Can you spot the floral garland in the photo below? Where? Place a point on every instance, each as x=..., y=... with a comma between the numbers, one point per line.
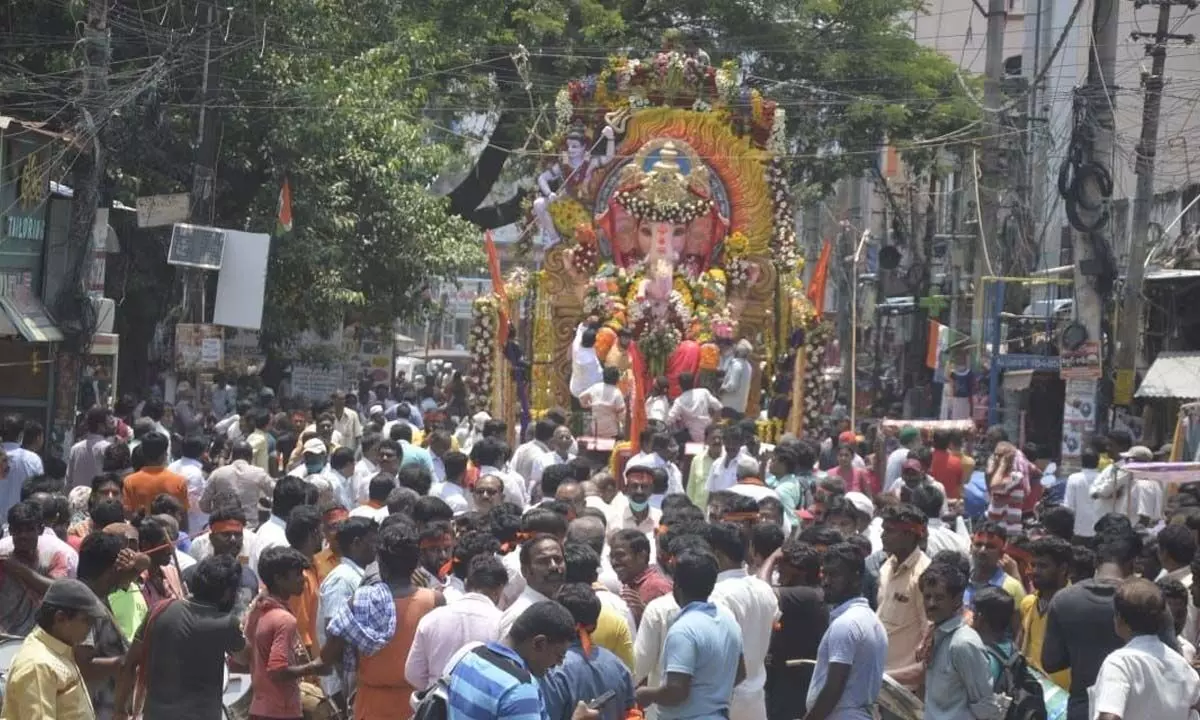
x=584, y=257
x=740, y=270
x=674, y=212
x=783, y=240
x=516, y=285
x=482, y=341
x=816, y=385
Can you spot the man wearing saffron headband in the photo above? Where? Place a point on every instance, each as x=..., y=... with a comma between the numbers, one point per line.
x=437, y=546
x=227, y=534
x=588, y=670
x=901, y=607
x=987, y=550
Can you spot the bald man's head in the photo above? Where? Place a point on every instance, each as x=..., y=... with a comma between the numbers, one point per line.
x=587, y=530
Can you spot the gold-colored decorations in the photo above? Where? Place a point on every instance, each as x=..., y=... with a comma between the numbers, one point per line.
x=34, y=185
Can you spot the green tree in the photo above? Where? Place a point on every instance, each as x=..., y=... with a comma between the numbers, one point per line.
x=847, y=71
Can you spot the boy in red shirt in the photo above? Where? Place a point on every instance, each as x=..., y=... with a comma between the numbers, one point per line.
x=273, y=638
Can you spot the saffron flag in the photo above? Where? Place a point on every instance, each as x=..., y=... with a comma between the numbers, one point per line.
x=493, y=258
x=284, y=221
x=816, y=286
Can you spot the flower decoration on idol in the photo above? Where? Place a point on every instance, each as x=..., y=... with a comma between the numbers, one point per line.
x=584, y=257
x=665, y=193
x=710, y=356
x=481, y=343
x=516, y=285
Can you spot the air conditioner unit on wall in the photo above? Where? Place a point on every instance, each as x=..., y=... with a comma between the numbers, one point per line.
x=106, y=313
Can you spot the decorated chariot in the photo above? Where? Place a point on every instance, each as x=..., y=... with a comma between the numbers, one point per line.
x=664, y=216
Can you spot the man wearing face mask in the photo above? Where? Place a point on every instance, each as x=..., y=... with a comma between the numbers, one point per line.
x=187, y=684
x=316, y=458
x=638, y=515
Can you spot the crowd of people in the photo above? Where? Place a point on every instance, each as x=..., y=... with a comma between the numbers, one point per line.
x=375, y=561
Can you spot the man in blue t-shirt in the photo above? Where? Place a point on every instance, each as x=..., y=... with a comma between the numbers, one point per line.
x=698, y=648
x=498, y=680
x=850, y=659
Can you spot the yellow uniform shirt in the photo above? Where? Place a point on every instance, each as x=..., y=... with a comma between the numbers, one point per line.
x=44, y=682
x=1033, y=633
x=612, y=634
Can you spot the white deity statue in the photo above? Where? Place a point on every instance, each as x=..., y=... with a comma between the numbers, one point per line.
x=573, y=170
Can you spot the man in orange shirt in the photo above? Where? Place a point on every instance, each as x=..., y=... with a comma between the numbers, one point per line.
x=304, y=534
x=946, y=467
x=154, y=478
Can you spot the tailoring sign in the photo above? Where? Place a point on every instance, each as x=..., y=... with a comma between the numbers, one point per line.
x=1082, y=363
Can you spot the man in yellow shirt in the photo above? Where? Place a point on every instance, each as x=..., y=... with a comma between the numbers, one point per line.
x=1051, y=567
x=44, y=683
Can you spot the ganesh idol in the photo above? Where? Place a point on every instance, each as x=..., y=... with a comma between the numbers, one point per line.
x=662, y=216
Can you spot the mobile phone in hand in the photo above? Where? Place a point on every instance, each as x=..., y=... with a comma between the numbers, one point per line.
x=599, y=702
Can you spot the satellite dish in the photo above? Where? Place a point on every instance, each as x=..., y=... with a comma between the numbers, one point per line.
x=889, y=258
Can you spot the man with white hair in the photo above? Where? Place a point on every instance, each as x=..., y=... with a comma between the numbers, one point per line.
x=735, y=387
x=749, y=480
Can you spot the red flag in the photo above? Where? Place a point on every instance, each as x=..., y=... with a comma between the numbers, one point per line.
x=493, y=258
x=816, y=286
x=284, y=219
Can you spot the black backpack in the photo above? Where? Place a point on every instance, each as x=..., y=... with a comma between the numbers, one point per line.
x=434, y=703
x=1018, y=682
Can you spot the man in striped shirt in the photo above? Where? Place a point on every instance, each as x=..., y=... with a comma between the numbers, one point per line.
x=498, y=680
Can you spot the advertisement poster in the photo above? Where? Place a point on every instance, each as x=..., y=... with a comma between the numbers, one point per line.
x=1079, y=419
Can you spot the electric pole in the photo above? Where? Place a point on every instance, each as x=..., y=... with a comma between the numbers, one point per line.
x=203, y=195
x=991, y=175
x=71, y=305
x=1127, y=350
x=1086, y=199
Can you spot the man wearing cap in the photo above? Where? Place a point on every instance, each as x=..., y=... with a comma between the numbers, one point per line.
x=314, y=459
x=1110, y=487
x=44, y=683
x=1147, y=507
x=910, y=439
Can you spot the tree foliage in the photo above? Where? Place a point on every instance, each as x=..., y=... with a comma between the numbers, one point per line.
x=364, y=103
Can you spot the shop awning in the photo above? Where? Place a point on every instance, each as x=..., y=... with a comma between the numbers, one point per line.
x=29, y=319
x=1173, y=375
x=1015, y=380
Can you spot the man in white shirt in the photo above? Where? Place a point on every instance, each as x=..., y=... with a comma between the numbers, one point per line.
x=607, y=403
x=585, y=366
x=527, y=453
x=755, y=606
x=22, y=464
x=910, y=440
x=543, y=567
x=240, y=479
x=473, y=618
x=346, y=422
x=192, y=470
x=367, y=466
x=663, y=450
x=340, y=476
x=314, y=459
x=490, y=456
x=750, y=482
x=1078, y=496
x=694, y=409
x=86, y=458
x=290, y=493
x=735, y=388
x=558, y=454
x=723, y=473
x=451, y=489
x=1145, y=678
